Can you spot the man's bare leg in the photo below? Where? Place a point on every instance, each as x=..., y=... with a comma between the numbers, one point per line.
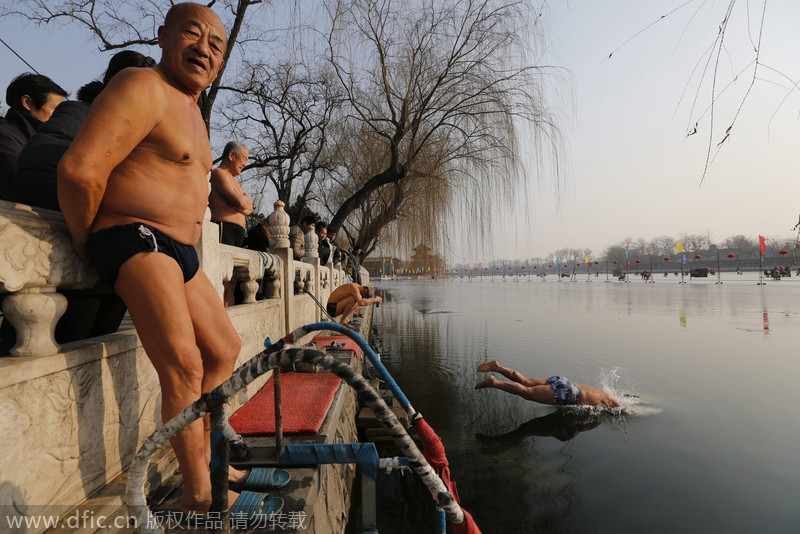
x=511, y=374
x=541, y=394
x=174, y=322
x=344, y=308
x=151, y=285
x=219, y=345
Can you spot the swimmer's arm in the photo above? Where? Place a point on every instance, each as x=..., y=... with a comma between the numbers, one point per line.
x=229, y=190
x=121, y=117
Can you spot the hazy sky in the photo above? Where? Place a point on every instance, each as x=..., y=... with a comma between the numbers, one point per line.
x=632, y=172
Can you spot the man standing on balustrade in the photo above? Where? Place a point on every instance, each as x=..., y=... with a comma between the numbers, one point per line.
x=133, y=188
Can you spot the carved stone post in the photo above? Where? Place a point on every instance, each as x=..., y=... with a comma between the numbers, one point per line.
x=278, y=222
x=310, y=244
x=36, y=257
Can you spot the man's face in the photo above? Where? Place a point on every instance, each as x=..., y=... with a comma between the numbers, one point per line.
x=240, y=162
x=322, y=232
x=44, y=113
x=192, y=47
x=331, y=236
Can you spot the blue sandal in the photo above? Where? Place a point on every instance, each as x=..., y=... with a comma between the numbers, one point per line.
x=262, y=479
x=250, y=504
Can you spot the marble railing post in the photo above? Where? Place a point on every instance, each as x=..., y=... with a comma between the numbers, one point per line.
x=310, y=243
x=36, y=258
x=279, y=247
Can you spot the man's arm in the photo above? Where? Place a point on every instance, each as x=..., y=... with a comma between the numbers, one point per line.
x=125, y=113
x=233, y=195
x=361, y=301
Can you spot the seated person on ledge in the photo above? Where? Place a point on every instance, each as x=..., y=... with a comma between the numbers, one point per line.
x=554, y=390
x=345, y=298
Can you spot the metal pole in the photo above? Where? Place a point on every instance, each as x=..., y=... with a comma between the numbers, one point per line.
x=683, y=258
x=276, y=382
x=219, y=463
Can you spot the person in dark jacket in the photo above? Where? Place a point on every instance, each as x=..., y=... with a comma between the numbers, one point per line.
x=32, y=99
x=35, y=177
x=90, y=312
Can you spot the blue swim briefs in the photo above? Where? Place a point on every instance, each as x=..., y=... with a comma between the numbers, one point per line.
x=565, y=393
x=111, y=247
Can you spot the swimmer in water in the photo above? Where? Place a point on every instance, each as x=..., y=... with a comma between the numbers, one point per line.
x=554, y=390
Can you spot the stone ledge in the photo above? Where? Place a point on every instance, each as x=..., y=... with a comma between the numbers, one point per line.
x=18, y=369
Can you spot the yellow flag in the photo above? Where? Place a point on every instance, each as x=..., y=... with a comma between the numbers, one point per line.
x=679, y=248
x=586, y=258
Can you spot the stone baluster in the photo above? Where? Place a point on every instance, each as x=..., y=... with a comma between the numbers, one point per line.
x=309, y=283
x=323, y=279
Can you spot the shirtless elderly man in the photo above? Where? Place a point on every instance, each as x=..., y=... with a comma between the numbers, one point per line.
x=133, y=190
x=229, y=203
x=554, y=390
x=347, y=297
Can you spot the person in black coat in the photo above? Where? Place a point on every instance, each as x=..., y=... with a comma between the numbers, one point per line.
x=35, y=177
x=91, y=312
x=32, y=99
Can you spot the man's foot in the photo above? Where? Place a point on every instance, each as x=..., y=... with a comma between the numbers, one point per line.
x=487, y=367
x=486, y=382
x=237, y=476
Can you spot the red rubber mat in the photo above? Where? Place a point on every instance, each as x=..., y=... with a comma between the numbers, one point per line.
x=306, y=398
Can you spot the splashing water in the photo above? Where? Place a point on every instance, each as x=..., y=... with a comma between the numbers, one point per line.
x=630, y=402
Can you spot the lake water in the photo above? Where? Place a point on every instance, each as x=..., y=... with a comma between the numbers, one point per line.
x=712, y=444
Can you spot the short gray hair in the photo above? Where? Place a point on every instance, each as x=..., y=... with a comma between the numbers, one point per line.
x=235, y=146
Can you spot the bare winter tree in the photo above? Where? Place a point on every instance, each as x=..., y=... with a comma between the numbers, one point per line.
x=694, y=242
x=445, y=84
x=282, y=112
x=436, y=95
x=666, y=245
x=400, y=215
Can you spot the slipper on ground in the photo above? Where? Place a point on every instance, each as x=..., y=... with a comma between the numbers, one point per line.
x=263, y=479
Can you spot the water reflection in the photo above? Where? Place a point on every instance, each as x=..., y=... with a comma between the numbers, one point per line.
x=562, y=424
x=694, y=450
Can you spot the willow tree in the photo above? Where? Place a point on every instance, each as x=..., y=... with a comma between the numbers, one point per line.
x=397, y=216
x=441, y=89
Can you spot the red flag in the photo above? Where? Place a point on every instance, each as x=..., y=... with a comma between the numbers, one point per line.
x=762, y=245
